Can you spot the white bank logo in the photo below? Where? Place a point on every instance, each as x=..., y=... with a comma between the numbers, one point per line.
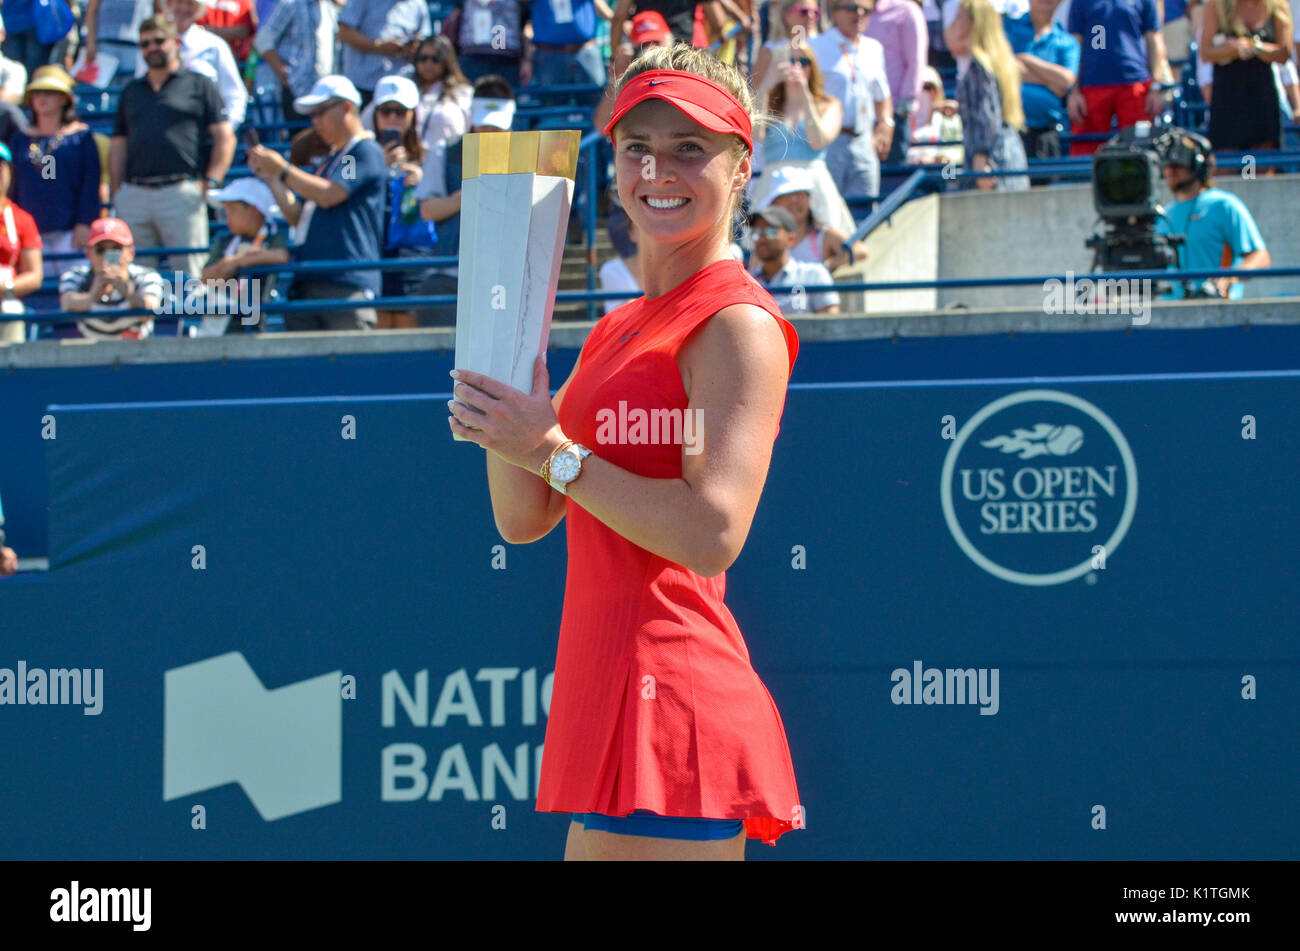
x=1034, y=483
x=284, y=747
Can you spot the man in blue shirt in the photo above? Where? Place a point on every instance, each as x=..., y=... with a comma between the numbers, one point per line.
x=1219, y=230
x=1049, y=65
x=338, y=212
x=564, y=45
x=378, y=38
x=1122, y=49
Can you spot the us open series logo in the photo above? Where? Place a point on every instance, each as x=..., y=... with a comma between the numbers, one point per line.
x=1037, y=486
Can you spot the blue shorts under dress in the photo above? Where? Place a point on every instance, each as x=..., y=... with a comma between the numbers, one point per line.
x=644, y=822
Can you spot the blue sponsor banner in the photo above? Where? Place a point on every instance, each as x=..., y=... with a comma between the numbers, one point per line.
x=1049, y=618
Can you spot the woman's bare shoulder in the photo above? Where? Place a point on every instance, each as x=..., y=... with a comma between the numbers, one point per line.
x=738, y=337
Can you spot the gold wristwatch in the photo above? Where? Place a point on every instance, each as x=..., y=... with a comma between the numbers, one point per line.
x=564, y=465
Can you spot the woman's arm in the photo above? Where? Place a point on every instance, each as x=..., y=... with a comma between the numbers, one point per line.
x=30, y=271
x=525, y=508
x=827, y=118
x=1220, y=53
x=761, y=64
x=1280, y=51
x=736, y=370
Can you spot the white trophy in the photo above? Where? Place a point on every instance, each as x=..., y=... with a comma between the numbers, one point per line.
x=514, y=212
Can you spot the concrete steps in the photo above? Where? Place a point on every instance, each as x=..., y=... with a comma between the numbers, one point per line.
x=573, y=270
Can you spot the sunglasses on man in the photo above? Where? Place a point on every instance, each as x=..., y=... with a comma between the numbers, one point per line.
x=770, y=232
x=858, y=9
x=152, y=42
x=321, y=110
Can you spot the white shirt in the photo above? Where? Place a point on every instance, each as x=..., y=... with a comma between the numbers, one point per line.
x=13, y=76
x=209, y=54
x=615, y=276
x=854, y=74
x=326, y=37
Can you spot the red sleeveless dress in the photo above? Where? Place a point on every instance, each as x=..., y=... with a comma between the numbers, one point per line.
x=703, y=738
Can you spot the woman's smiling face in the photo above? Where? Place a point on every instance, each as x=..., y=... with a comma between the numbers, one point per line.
x=675, y=177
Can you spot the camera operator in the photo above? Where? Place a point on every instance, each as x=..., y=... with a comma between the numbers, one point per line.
x=1219, y=230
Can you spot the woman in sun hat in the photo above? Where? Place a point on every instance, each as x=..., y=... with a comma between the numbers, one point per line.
x=57, y=167
x=662, y=742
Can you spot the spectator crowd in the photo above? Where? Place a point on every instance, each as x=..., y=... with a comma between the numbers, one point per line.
x=853, y=91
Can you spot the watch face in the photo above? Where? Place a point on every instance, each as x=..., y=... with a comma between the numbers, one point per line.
x=565, y=466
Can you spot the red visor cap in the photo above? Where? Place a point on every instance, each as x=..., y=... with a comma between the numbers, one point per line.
x=697, y=98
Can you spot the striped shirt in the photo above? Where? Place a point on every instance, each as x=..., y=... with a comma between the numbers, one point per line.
x=292, y=30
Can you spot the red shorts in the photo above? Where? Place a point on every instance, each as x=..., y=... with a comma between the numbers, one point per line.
x=1128, y=101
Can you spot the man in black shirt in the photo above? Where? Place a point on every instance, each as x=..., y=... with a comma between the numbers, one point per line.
x=158, y=183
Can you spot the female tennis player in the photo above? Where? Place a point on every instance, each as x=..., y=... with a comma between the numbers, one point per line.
x=662, y=741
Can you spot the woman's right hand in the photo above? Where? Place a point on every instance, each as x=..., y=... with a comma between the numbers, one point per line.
x=395, y=154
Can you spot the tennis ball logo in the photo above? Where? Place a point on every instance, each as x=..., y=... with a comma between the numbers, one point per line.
x=1063, y=440
x=1039, y=440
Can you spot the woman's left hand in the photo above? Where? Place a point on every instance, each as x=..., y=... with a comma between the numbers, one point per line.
x=498, y=417
x=413, y=174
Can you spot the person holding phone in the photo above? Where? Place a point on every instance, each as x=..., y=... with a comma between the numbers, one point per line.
x=406, y=234
x=337, y=211
x=112, y=281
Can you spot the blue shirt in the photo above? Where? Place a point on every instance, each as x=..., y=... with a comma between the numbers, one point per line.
x=352, y=229
x=56, y=202
x=19, y=16
x=1211, y=220
x=1043, y=108
x=1124, y=24
x=400, y=20
x=579, y=28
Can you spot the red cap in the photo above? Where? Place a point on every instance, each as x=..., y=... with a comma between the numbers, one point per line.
x=699, y=99
x=648, y=26
x=110, y=229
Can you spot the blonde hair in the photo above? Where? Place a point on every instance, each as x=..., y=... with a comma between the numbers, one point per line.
x=1230, y=18
x=688, y=59
x=816, y=86
x=989, y=47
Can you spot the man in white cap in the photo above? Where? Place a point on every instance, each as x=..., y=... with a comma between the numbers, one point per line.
x=208, y=54
x=338, y=210
x=493, y=110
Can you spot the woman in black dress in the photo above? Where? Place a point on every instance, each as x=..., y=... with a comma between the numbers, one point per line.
x=1243, y=39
